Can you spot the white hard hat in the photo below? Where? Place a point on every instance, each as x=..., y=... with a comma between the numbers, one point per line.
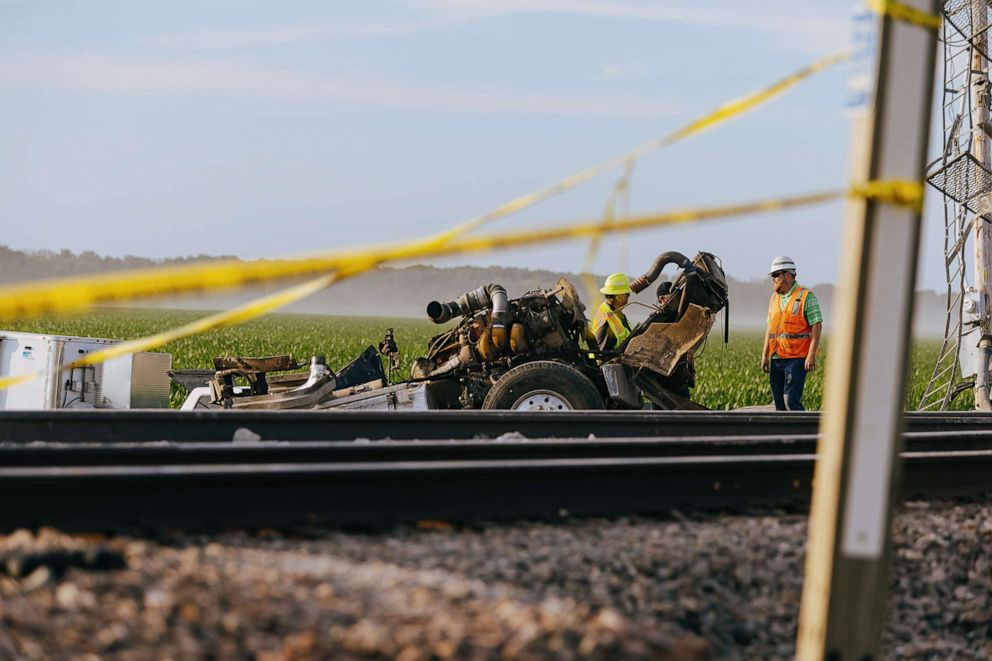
x=782, y=263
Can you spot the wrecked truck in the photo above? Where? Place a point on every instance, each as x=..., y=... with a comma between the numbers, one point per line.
x=531, y=353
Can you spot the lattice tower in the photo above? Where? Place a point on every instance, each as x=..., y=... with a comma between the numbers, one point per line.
x=965, y=183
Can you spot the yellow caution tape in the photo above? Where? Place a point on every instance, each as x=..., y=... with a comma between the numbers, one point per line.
x=721, y=114
x=9, y=381
x=755, y=99
x=75, y=293
x=902, y=193
x=232, y=317
x=238, y=315
x=361, y=260
x=628, y=224
x=902, y=12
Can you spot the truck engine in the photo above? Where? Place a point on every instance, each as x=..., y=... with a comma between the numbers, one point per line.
x=496, y=333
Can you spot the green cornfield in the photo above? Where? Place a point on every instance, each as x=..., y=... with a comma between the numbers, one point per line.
x=729, y=376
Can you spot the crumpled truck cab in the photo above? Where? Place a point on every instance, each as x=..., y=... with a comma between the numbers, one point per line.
x=529, y=353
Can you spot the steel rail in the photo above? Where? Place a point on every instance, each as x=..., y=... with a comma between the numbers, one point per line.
x=282, y=452
x=373, y=493
x=204, y=426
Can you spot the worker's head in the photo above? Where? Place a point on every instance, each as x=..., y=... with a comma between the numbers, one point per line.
x=664, y=292
x=783, y=273
x=617, y=290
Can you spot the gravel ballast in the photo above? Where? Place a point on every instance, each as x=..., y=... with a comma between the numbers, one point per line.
x=716, y=587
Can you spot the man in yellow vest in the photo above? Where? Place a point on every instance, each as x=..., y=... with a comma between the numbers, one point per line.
x=793, y=337
x=610, y=326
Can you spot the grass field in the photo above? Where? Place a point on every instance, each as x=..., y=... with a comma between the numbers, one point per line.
x=729, y=375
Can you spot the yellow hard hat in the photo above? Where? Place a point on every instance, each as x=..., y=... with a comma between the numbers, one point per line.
x=616, y=284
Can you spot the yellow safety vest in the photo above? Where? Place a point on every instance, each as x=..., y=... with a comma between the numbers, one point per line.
x=614, y=319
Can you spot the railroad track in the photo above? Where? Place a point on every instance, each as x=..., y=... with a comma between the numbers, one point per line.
x=157, y=453
x=70, y=426
x=210, y=485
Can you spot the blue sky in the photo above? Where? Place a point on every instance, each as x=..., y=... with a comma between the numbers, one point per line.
x=264, y=128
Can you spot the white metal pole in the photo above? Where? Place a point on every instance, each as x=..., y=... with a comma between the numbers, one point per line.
x=842, y=610
x=983, y=238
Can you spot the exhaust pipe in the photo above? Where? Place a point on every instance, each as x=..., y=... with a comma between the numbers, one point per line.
x=491, y=295
x=660, y=262
x=439, y=312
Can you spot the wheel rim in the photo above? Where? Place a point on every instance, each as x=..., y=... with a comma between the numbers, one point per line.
x=541, y=400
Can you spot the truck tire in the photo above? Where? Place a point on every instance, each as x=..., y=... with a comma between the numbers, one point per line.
x=543, y=385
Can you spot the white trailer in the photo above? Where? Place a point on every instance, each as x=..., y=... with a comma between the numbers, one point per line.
x=139, y=380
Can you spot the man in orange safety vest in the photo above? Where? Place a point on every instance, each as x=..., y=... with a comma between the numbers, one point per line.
x=793, y=337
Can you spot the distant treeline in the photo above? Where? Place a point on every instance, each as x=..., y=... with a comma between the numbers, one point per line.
x=17, y=265
x=405, y=292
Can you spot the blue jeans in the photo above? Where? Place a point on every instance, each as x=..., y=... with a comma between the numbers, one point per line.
x=788, y=377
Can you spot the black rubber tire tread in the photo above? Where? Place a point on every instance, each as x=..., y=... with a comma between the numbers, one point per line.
x=567, y=381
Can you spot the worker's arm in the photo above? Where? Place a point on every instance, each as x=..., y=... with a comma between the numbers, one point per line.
x=814, y=346
x=765, y=357
x=605, y=338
